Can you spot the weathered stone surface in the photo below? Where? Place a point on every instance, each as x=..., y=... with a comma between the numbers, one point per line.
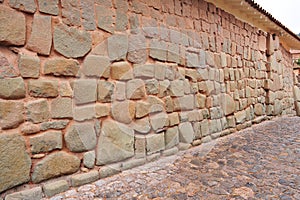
x=12, y=88
x=140, y=146
x=81, y=179
x=53, y=188
x=12, y=26
x=259, y=109
x=144, y=71
x=137, y=49
x=123, y=111
x=171, y=137
x=37, y=111
x=88, y=15
x=23, y=5
x=240, y=117
x=11, y=114
x=121, y=71
x=177, y=88
x=186, y=132
x=104, y=17
x=200, y=100
x=61, y=107
x=152, y=86
x=40, y=39
x=158, y=50
x=155, y=143
x=71, y=42
x=142, y=109
x=65, y=89
x=184, y=103
x=109, y=170
x=70, y=12
x=84, y=113
x=135, y=89
x=105, y=91
x=85, y=91
x=89, y=159
x=117, y=46
x=102, y=110
x=6, y=69
x=46, y=142
x=29, y=128
x=56, y=125
x=121, y=21
x=98, y=66
x=30, y=194
x=48, y=6
x=81, y=137
x=142, y=125
x=116, y=143
x=158, y=121
x=227, y=104
x=29, y=66
x=61, y=67
x=15, y=162
x=43, y=88
x=56, y=164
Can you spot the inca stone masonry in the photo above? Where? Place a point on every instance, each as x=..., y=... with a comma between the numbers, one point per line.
x=89, y=88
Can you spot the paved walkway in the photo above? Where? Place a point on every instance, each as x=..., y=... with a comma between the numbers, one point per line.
x=262, y=162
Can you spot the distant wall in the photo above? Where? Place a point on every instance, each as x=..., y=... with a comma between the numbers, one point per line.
x=108, y=85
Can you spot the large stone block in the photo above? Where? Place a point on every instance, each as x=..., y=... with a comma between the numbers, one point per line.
x=81, y=137
x=43, y=88
x=116, y=143
x=12, y=88
x=158, y=50
x=123, y=111
x=35, y=193
x=89, y=159
x=117, y=47
x=88, y=15
x=7, y=70
x=85, y=91
x=105, y=91
x=15, y=162
x=102, y=110
x=46, y=142
x=29, y=66
x=40, y=39
x=71, y=42
x=11, y=114
x=159, y=121
x=62, y=107
x=135, y=89
x=155, y=143
x=142, y=126
x=83, y=113
x=240, y=117
x=97, y=66
x=70, y=12
x=144, y=71
x=37, y=111
x=26, y=6
x=137, y=49
x=104, y=17
x=121, y=21
x=56, y=164
x=184, y=103
x=48, y=6
x=177, y=88
x=56, y=125
x=121, y=71
x=227, y=104
x=61, y=67
x=171, y=137
x=186, y=132
x=53, y=188
x=12, y=26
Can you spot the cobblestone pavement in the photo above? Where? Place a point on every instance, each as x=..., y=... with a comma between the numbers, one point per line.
x=262, y=162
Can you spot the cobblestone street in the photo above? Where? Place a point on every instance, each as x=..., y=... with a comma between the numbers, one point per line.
x=261, y=162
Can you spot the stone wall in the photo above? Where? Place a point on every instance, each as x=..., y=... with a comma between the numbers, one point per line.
x=106, y=85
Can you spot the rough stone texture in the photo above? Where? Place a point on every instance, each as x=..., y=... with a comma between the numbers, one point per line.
x=121, y=71
x=240, y=117
x=116, y=143
x=61, y=67
x=37, y=111
x=104, y=18
x=56, y=125
x=40, y=39
x=142, y=126
x=12, y=26
x=144, y=71
x=110, y=170
x=88, y=15
x=105, y=91
x=65, y=89
x=43, y=88
x=227, y=104
x=89, y=159
x=81, y=179
x=85, y=91
x=30, y=194
x=171, y=137
x=140, y=146
x=137, y=49
x=176, y=88
x=101, y=110
x=29, y=128
x=97, y=66
x=158, y=121
x=12, y=88
x=53, y=188
x=186, y=132
x=155, y=143
x=84, y=113
x=142, y=109
x=23, y=5
x=48, y=6
x=81, y=137
x=123, y=111
x=29, y=66
x=61, y=108
x=135, y=89
x=56, y=164
x=6, y=69
x=11, y=114
x=15, y=162
x=184, y=103
x=70, y=12
x=71, y=42
x=117, y=47
x=46, y=142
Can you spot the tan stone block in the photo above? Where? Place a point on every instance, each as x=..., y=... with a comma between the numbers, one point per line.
x=121, y=71
x=123, y=111
x=29, y=66
x=173, y=119
x=61, y=67
x=102, y=110
x=135, y=89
